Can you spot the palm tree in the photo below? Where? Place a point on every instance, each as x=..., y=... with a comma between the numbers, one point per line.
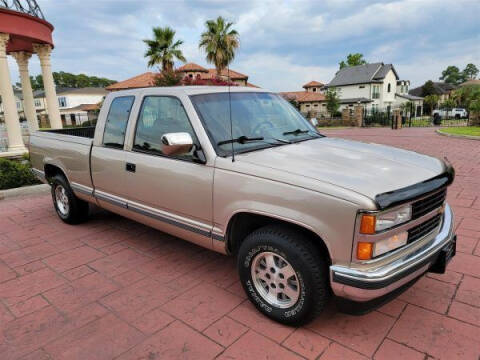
x=219, y=42
x=162, y=49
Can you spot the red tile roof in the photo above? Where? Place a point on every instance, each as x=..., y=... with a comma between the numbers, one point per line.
x=191, y=67
x=303, y=96
x=234, y=75
x=292, y=94
x=143, y=80
x=312, y=84
x=83, y=107
x=209, y=73
x=311, y=96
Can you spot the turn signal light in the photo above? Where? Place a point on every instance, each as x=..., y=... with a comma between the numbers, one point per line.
x=364, y=250
x=367, y=226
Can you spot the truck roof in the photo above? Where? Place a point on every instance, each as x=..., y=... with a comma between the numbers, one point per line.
x=189, y=90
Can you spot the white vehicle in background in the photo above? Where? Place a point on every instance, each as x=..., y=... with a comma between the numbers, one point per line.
x=457, y=113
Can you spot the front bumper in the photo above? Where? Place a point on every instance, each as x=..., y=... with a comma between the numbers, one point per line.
x=376, y=282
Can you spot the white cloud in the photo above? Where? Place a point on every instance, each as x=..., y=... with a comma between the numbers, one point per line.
x=283, y=43
x=281, y=73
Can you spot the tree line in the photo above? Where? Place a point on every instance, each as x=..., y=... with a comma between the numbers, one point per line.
x=453, y=75
x=68, y=80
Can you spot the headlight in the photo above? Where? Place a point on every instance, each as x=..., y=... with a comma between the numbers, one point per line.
x=369, y=250
x=393, y=242
x=373, y=223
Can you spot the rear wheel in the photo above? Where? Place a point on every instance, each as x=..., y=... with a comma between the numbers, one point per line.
x=69, y=208
x=283, y=274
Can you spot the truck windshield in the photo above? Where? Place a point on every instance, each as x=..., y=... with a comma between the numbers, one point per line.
x=255, y=116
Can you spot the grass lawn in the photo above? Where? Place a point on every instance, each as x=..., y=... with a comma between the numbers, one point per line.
x=467, y=130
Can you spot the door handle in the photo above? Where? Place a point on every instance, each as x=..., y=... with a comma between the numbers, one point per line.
x=131, y=167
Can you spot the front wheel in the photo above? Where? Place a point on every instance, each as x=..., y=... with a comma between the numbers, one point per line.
x=283, y=274
x=69, y=208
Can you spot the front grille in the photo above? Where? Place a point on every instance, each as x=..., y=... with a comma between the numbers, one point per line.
x=423, y=229
x=429, y=203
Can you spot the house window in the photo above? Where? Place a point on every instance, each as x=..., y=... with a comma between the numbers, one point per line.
x=38, y=103
x=314, y=89
x=361, y=87
x=19, y=105
x=62, y=101
x=406, y=88
x=389, y=87
x=308, y=105
x=376, y=92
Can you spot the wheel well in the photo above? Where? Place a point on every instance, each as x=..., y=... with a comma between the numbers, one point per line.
x=52, y=170
x=243, y=224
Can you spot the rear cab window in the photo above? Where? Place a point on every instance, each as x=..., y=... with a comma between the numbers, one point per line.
x=117, y=120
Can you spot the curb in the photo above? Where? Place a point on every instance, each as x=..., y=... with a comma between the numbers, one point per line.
x=458, y=136
x=25, y=190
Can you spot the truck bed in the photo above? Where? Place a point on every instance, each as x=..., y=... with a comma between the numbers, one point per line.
x=68, y=149
x=86, y=132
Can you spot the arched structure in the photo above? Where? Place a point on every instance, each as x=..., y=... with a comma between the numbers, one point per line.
x=24, y=31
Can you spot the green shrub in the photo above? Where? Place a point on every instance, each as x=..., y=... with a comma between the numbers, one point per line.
x=15, y=174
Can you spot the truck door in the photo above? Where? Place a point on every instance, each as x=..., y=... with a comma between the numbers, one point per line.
x=108, y=156
x=171, y=193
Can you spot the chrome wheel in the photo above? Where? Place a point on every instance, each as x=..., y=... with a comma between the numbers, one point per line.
x=61, y=200
x=275, y=280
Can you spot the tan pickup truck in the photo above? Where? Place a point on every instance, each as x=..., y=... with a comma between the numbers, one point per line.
x=244, y=174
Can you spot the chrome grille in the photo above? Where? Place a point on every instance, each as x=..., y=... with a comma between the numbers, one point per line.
x=424, y=228
x=429, y=203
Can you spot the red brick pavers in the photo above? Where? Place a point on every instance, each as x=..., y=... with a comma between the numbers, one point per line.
x=115, y=289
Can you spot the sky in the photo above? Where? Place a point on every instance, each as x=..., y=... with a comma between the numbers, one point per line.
x=283, y=44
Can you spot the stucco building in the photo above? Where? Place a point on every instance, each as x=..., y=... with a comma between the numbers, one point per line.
x=191, y=71
x=76, y=105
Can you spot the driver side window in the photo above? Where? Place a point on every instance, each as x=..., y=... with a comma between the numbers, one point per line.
x=160, y=115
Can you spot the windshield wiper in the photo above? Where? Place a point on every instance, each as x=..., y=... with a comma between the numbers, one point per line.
x=296, y=132
x=241, y=140
x=244, y=140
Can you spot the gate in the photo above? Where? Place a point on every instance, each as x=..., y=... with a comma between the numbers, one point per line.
x=375, y=118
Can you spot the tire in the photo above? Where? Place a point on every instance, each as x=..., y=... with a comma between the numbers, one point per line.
x=286, y=247
x=69, y=208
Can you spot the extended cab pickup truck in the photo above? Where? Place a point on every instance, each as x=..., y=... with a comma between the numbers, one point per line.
x=241, y=172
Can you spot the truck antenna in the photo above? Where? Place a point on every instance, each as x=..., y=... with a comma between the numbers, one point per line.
x=230, y=112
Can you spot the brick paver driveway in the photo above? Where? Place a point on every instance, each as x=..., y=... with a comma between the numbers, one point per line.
x=113, y=288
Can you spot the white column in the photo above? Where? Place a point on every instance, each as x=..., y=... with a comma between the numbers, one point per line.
x=43, y=52
x=14, y=132
x=22, y=58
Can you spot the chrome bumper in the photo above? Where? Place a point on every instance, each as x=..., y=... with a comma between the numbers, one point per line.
x=368, y=284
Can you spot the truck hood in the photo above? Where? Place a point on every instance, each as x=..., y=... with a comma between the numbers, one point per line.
x=365, y=168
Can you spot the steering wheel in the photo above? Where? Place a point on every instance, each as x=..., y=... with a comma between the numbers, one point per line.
x=264, y=124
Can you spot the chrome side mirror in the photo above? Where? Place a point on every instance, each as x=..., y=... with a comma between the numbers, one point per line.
x=177, y=143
